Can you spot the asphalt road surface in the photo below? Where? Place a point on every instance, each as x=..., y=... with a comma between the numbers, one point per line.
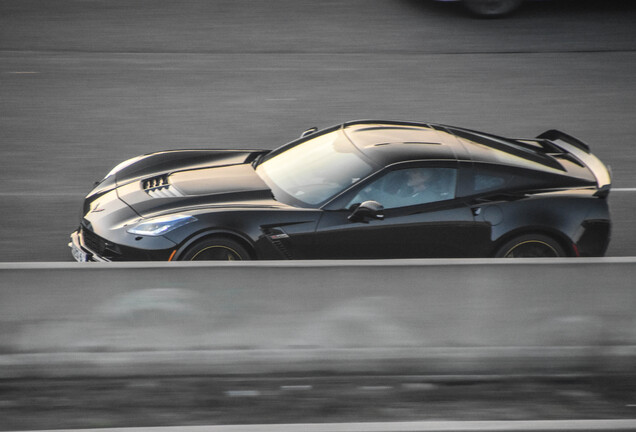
x=85, y=84
x=240, y=400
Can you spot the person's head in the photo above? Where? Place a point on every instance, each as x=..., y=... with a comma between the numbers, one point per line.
x=418, y=179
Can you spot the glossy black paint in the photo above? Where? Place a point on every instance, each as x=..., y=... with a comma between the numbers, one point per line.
x=552, y=189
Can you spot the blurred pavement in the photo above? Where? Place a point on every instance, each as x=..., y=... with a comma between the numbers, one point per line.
x=88, y=83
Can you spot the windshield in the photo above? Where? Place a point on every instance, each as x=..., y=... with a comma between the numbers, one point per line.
x=316, y=170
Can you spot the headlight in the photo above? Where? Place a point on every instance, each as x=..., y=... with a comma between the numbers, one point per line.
x=161, y=225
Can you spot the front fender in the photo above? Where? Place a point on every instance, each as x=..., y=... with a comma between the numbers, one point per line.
x=235, y=235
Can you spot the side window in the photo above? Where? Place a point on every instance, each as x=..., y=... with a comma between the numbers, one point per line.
x=487, y=181
x=410, y=186
x=497, y=178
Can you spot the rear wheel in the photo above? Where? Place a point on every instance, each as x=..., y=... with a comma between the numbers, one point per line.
x=216, y=249
x=492, y=8
x=531, y=246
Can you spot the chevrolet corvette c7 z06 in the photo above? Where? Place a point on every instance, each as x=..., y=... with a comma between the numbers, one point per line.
x=358, y=190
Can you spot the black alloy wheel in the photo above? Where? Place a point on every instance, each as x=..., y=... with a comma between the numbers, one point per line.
x=216, y=249
x=531, y=246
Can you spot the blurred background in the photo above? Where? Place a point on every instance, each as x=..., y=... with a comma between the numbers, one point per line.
x=85, y=84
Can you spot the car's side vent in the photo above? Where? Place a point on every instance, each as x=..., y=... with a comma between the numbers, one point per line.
x=159, y=187
x=281, y=247
x=276, y=235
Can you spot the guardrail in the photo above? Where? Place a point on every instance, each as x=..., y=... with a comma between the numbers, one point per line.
x=407, y=316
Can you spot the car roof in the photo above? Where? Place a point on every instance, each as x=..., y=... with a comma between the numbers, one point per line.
x=390, y=142
x=387, y=142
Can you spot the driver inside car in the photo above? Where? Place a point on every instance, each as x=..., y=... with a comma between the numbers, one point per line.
x=411, y=186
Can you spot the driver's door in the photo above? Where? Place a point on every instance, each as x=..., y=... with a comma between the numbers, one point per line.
x=417, y=223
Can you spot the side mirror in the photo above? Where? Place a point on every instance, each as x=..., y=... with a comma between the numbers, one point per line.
x=308, y=132
x=366, y=211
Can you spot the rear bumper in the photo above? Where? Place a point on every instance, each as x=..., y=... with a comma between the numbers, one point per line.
x=595, y=238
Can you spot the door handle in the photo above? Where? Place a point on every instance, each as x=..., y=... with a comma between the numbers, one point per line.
x=476, y=211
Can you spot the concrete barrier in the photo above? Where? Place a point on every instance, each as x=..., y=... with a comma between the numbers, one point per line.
x=412, y=426
x=414, y=316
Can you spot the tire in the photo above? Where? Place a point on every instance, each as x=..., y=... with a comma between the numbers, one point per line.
x=531, y=246
x=492, y=8
x=216, y=249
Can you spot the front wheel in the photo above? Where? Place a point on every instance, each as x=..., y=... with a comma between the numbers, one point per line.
x=492, y=8
x=531, y=246
x=216, y=249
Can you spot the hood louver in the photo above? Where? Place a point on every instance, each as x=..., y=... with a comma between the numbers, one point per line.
x=159, y=187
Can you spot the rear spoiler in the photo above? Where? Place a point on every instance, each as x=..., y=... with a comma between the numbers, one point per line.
x=581, y=151
x=554, y=134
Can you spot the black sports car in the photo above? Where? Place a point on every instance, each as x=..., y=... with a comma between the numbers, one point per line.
x=363, y=189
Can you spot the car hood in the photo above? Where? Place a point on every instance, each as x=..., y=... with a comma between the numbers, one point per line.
x=224, y=186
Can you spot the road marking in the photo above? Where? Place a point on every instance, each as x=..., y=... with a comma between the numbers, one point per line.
x=243, y=393
x=623, y=189
x=296, y=387
x=419, y=386
x=23, y=73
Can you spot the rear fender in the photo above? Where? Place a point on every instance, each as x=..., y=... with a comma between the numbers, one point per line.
x=544, y=215
x=563, y=240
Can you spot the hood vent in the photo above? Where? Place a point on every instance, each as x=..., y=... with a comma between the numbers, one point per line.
x=159, y=187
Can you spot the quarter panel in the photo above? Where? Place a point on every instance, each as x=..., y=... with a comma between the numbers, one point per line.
x=562, y=217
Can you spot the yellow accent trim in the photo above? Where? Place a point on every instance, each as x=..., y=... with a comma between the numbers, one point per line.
x=218, y=246
x=530, y=241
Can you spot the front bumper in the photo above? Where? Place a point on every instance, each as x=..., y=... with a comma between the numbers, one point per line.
x=86, y=246
x=80, y=252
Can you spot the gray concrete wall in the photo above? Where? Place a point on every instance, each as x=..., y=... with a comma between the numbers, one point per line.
x=420, y=316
